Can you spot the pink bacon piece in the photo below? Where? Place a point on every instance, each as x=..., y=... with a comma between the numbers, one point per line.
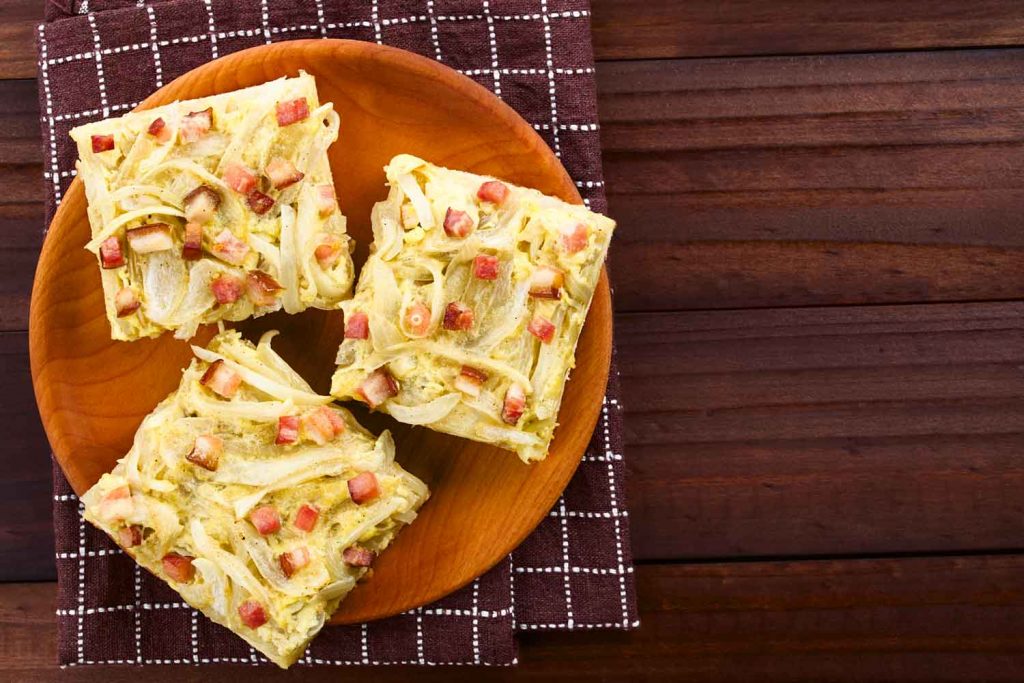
x=126, y=302
x=227, y=289
x=457, y=223
x=294, y=560
x=306, y=517
x=221, y=379
x=357, y=556
x=357, y=326
x=458, y=317
x=266, y=519
x=287, y=430
x=252, y=614
x=292, y=111
x=378, y=387
x=196, y=124
x=178, y=567
x=283, y=173
x=541, y=328
x=493, y=191
x=363, y=488
x=485, y=267
x=111, y=253
x=102, y=143
x=515, y=404
x=206, y=452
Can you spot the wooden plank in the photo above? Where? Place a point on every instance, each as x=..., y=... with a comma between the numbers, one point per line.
x=824, y=431
x=26, y=533
x=17, y=37
x=787, y=432
x=923, y=619
x=625, y=29
x=814, y=181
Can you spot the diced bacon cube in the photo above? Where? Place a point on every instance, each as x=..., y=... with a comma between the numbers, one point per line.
x=192, y=247
x=252, y=614
x=457, y=317
x=493, y=191
x=363, y=488
x=485, y=267
x=102, y=143
x=239, y=178
x=111, y=254
x=287, y=430
x=126, y=302
x=515, y=404
x=227, y=289
x=337, y=423
x=546, y=283
x=221, y=379
x=259, y=202
x=129, y=536
x=206, y=452
x=378, y=387
x=201, y=204
x=541, y=328
x=283, y=173
x=305, y=518
x=294, y=560
x=470, y=380
x=357, y=556
x=263, y=289
x=322, y=425
x=196, y=124
x=229, y=248
x=357, y=326
x=266, y=519
x=116, y=504
x=417, y=319
x=147, y=239
x=292, y=111
x=178, y=567
x=457, y=223
x=326, y=200
x=329, y=251
x=159, y=130
x=573, y=237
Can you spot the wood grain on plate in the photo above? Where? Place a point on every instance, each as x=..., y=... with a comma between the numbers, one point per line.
x=921, y=619
x=93, y=392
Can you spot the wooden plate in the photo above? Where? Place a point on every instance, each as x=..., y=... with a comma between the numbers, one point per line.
x=93, y=392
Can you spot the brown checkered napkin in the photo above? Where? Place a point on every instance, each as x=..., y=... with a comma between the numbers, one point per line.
x=101, y=57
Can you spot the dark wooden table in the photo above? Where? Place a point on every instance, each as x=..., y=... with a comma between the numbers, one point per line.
x=820, y=295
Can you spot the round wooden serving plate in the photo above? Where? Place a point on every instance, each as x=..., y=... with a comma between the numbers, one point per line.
x=94, y=392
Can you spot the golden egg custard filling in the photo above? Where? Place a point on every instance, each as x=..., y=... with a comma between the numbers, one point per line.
x=218, y=208
x=256, y=499
x=467, y=313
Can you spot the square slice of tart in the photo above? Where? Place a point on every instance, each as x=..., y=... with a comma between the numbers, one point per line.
x=257, y=500
x=219, y=208
x=467, y=313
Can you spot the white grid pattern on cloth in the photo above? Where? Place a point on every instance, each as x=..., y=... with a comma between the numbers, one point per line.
x=519, y=614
